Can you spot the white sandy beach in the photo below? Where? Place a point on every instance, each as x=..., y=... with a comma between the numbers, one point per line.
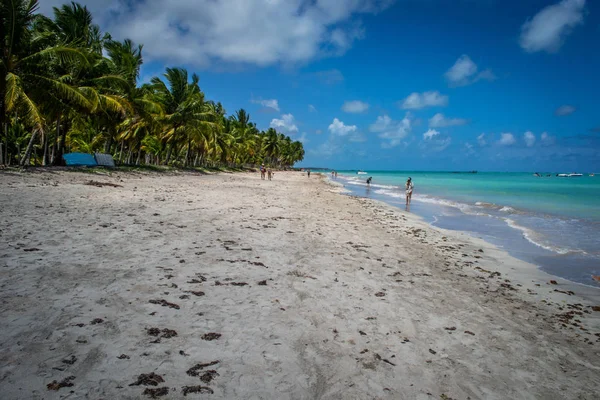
x=310, y=294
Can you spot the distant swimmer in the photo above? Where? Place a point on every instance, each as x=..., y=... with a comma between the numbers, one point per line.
x=409, y=190
x=369, y=180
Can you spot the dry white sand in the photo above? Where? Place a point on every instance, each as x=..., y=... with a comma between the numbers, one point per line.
x=359, y=300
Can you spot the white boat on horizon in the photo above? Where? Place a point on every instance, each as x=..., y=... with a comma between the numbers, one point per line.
x=361, y=173
x=571, y=175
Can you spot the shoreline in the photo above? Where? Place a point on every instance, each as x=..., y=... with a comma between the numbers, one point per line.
x=521, y=270
x=499, y=230
x=289, y=288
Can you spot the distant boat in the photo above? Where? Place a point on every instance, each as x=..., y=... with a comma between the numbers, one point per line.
x=591, y=174
x=572, y=175
x=361, y=173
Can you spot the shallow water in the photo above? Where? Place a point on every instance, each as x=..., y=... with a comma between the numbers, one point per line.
x=550, y=221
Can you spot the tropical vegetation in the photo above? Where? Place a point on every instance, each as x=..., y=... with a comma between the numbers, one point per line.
x=65, y=86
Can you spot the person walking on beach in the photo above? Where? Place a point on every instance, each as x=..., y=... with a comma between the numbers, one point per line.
x=262, y=172
x=269, y=173
x=409, y=190
x=308, y=172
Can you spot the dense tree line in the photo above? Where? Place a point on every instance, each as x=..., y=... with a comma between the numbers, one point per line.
x=65, y=86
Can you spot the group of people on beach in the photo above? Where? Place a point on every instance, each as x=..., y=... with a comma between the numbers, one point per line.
x=266, y=172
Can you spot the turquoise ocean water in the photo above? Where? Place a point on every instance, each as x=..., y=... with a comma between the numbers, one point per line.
x=550, y=221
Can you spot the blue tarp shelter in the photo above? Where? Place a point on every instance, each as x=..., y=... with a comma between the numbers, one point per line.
x=80, y=159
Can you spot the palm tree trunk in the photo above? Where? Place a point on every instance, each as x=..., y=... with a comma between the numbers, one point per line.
x=62, y=139
x=188, y=152
x=139, y=155
x=108, y=145
x=121, y=152
x=27, y=155
x=45, y=158
x=168, y=157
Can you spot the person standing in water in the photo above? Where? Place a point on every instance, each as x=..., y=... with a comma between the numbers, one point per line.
x=409, y=191
x=369, y=180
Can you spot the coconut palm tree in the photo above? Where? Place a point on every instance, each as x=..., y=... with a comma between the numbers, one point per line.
x=64, y=81
x=186, y=112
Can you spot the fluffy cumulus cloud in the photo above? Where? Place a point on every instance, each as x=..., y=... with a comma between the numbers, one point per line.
x=440, y=121
x=393, y=132
x=506, y=139
x=529, y=138
x=465, y=72
x=564, y=110
x=430, y=134
x=355, y=106
x=287, y=124
x=547, y=30
x=259, y=32
x=271, y=103
x=338, y=128
x=417, y=101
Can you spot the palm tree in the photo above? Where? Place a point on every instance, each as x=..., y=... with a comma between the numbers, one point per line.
x=186, y=112
x=25, y=78
x=65, y=81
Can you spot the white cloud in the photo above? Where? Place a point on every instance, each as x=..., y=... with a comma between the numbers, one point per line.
x=547, y=30
x=258, y=32
x=318, y=131
x=355, y=106
x=338, y=128
x=564, y=110
x=469, y=149
x=506, y=139
x=357, y=137
x=267, y=103
x=433, y=142
x=286, y=124
x=311, y=108
x=392, y=131
x=481, y=140
x=430, y=134
x=546, y=139
x=426, y=99
x=439, y=121
x=529, y=138
x=464, y=72
x=303, y=138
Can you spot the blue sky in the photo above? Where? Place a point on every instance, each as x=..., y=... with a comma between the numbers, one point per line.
x=390, y=84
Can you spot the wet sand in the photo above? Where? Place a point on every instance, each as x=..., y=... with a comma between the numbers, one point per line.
x=226, y=286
